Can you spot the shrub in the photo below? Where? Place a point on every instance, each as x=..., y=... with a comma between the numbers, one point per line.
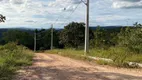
x=131, y=38
x=11, y=58
x=120, y=56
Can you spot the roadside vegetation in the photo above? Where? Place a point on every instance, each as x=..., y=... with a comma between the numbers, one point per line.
x=121, y=44
x=76, y=54
x=120, y=56
x=12, y=58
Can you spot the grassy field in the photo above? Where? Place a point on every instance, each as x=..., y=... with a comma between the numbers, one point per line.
x=77, y=54
x=120, y=56
x=12, y=57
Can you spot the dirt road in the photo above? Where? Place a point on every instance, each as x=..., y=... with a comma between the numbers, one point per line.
x=55, y=67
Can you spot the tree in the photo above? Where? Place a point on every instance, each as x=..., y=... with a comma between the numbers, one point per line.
x=20, y=37
x=99, y=37
x=105, y=37
x=73, y=35
x=136, y=24
x=131, y=38
x=2, y=18
x=44, y=39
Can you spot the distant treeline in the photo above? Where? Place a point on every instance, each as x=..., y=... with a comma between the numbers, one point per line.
x=72, y=36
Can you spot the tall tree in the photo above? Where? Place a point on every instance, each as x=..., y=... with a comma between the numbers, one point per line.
x=73, y=35
x=2, y=18
x=22, y=38
x=44, y=39
x=131, y=38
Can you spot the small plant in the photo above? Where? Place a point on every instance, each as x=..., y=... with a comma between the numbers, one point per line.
x=119, y=55
x=12, y=57
x=102, y=62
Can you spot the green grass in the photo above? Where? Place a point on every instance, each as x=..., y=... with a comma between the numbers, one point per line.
x=120, y=56
x=72, y=53
x=12, y=57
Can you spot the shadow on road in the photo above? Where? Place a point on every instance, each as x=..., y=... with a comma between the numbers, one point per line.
x=54, y=73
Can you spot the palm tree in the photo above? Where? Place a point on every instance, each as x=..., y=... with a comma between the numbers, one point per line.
x=2, y=18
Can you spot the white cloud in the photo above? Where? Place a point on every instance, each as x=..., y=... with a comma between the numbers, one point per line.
x=67, y=5
x=109, y=18
x=39, y=13
x=129, y=0
x=127, y=4
x=18, y=5
x=21, y=12
x=18, y=2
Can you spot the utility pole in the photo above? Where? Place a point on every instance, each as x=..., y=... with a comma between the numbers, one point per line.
x=35, y=41
x=86, y=48
x=51, y=36
x=127, y=22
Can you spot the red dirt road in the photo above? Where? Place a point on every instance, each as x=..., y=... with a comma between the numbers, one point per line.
x=55, y=67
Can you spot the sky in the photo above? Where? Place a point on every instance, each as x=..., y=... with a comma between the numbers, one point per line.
x=43, y=13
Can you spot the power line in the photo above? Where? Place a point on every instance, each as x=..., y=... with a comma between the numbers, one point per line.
x=84, y=2
x=71, y=13
x=65, y=18
x=42, y=36
x=74, y=11
x=41, y=32
x=59, y=17
x=56, y=19
x=55, y=23
x=62, y=11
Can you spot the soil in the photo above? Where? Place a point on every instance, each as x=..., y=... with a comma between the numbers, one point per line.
x=55, y=67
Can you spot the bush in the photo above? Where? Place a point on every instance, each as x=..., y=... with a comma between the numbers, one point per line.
x=11, y=58
x=72, y=36
x=131, y=38
x=72, y=53
x=120, y=56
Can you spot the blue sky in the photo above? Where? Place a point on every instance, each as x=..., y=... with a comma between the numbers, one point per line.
x=43, y=13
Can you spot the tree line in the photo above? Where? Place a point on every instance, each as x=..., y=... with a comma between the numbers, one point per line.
x=72, y=36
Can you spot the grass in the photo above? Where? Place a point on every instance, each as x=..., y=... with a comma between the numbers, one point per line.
x=12, y=57
x=76, y=54
x=120, y=56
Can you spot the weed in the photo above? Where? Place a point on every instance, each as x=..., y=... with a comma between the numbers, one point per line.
x=119, y=55
x=12, y=57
